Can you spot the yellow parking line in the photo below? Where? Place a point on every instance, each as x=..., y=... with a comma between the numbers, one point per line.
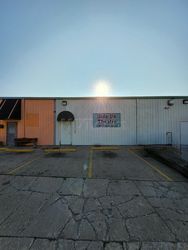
x=23, y=165
x=90, y=164
x=14, y=150
x=60, y=150
x=20, y=150
x=3, y=149
x=135, y=149
x=105, y=148
x=153, y=167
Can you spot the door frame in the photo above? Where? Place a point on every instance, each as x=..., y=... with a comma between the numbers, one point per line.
x=8, y=122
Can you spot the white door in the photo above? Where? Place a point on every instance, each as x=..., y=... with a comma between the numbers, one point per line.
x=66, y=133
x=184, y=133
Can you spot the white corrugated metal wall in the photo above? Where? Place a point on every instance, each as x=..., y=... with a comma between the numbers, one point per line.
x=83, y=132
x=143, y=120
x=155, y=118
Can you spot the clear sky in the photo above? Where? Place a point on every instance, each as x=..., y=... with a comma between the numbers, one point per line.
x=63, y=47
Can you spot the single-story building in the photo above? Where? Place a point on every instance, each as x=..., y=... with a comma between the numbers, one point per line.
x=27, y=118
x=95, y=120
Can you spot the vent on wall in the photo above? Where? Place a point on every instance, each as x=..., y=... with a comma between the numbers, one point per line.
x=1, y=126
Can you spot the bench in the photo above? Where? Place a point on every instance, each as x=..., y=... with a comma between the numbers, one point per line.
x=25, y=141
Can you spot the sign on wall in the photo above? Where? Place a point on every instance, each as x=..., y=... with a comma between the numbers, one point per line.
x=106, y=120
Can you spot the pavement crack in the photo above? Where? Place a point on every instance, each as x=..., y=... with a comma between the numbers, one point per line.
x=89, y=244
x=90, y=223
x=140, y=246
x=107, y=187
x=124, y=221
x=15, y=209
x=32, y=243
x=33, y=191
x=81, y=217
x=12, y=184
x=127, y=201
x=83, y=184
x=56, y=245
x=139, y=216
x=74, y=244
x=154, y=208
x=107, y=229
x=60, y=187
x=51, y=204
x=43, y=205
x=178, y=211
x=63, y=227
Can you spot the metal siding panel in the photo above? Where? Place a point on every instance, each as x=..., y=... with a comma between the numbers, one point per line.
x=184, y=134
x=39, y=121
x=154, y=120
x=83, y=131
x=3, y=132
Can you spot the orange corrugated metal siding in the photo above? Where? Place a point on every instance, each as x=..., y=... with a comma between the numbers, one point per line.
x=37, y=121
x=2, y=130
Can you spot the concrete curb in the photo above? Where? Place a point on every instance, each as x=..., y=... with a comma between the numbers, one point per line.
x=170, y=157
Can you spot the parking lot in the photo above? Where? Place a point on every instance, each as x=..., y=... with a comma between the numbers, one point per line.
x=92, y=198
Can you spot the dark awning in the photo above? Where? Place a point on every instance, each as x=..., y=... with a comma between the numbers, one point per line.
x=10, y=109
x=65, y=116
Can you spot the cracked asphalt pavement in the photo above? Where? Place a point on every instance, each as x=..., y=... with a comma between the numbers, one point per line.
x=112, y=199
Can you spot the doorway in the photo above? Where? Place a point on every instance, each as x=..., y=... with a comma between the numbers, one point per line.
x=66, y=133
x=11, y=133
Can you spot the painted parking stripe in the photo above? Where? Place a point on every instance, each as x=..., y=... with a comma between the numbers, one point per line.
x=166, y=177
x=90, y=159
x=105, y=148
x=14, y=150
x=60, y=150
x=12, y=172
x=90, y=163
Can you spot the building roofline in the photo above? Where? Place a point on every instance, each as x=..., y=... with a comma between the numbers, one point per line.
x=97, y=97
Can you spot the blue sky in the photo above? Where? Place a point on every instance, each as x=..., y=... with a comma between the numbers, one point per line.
x=63, y=47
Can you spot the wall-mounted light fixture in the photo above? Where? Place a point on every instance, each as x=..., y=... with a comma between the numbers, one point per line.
x=170, y=102
x=64, y=103
x=185, y=101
